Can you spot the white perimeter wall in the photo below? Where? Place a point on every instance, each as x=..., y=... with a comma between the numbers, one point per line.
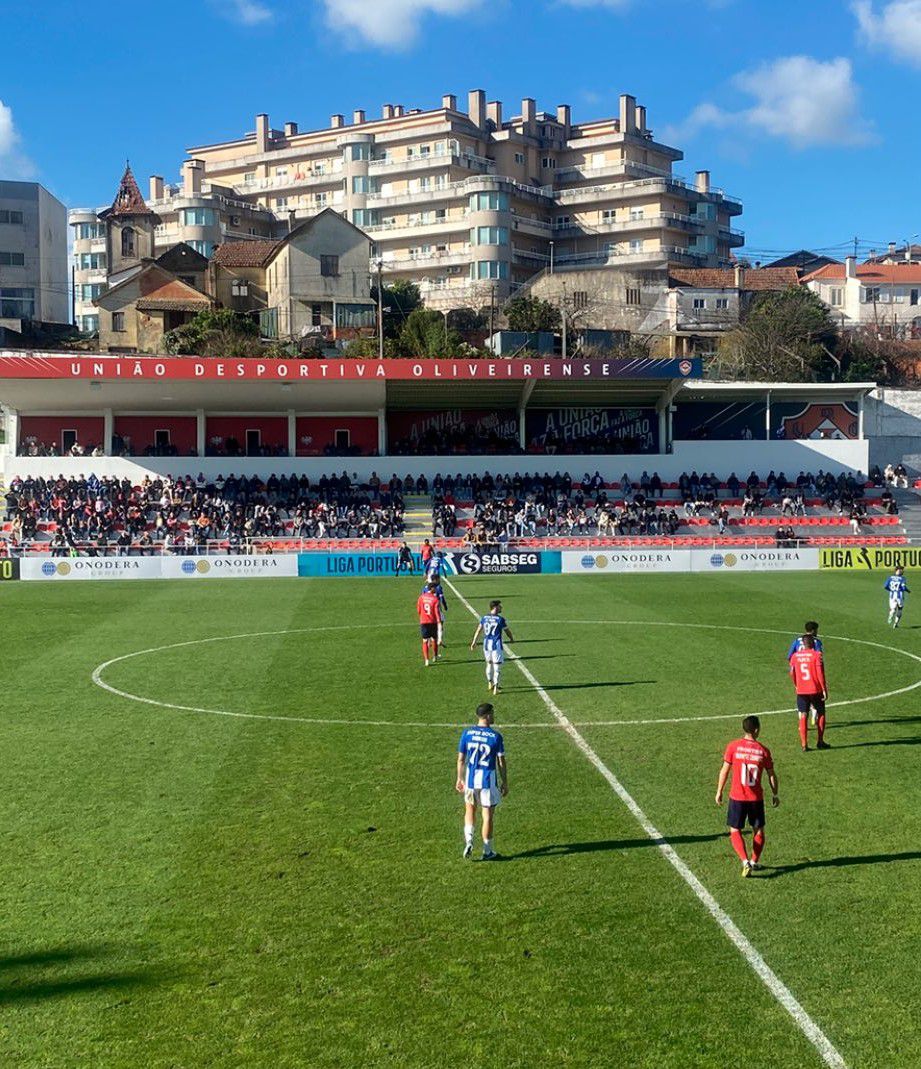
x=718, y=457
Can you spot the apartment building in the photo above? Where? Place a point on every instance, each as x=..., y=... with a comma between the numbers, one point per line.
x=883, y=297
x=33, y=256
x=202, y=214
x=471, y=204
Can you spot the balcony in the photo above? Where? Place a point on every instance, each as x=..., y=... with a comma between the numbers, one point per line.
x=434, y=159
x=615, y=170
x=673, y=253
x=417, y=228
x=422, y=261
x=662, y=221
x=522, y=224
x=332, y=176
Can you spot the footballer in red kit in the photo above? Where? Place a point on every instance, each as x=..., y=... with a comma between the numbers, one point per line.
x=429, y=609
x=807, y=668
x=746, y=760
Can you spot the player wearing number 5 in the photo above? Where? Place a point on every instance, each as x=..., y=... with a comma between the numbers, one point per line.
x=482, y=778
x=808, y=671
x=747, y=760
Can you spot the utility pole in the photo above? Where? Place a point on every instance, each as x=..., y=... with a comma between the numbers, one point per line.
x=856, y=240
x=563, y=316
x=551, y=257
x=492, y=309
x=380, y=311
x=73, y=294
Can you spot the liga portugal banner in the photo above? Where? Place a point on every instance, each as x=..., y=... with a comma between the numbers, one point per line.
x=871, y=558
x=17, y=365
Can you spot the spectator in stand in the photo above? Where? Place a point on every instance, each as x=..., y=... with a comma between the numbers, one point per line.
x=733, y=485
x=655, y=485
x=722, y=519
x=901, y=476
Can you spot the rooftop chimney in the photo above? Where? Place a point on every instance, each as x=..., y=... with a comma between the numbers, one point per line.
x=262, y=133
x=494, y=113
x=564, y=118
x=449, y=101
x=641, y=118
x=336, y=121
x=702, y=181
x=358, y=117
x=528, y=114
x=387, y=111
x=476, y=107
x=156, y=187
x=739, y=276
x=891, y=248
x=397, y=111
x=627, y=114
x=850, y=267
x=191, y=176
x=290, y=129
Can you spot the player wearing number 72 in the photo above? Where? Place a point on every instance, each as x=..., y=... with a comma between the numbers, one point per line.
x=747, y=760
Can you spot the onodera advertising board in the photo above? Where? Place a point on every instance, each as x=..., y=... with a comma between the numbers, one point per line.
x=613, y=561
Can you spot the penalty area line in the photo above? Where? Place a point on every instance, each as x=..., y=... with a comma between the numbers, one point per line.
x=823, y=1045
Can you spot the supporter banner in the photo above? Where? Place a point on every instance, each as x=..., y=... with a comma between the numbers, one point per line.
x=359, y=565
x=872, y=558
x=241, y=566
x=504, y=562
x=9, y=569
x=637, y=426
x=626, y=560
x=720, y=420
x=15, y=365
x=802, y=420
x=415, y=426
x=754, y=560
x=66, y=568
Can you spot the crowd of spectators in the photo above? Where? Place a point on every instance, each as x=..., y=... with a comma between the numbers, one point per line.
x=457, y=440
x=101, y=515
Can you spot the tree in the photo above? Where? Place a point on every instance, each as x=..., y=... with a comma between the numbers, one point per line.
x=367, y=348
x=401, y=299
x=425, y=334
x=531, y=314
x=214, y=332
x=787, y=336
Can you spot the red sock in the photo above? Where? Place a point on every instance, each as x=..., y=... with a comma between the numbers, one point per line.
x=820, y=725
x=738, y=843
x=803, y=729
x=757, y=844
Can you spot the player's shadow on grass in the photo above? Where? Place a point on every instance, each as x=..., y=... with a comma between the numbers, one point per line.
x=21, y=978
x=913, y=740
x=771, y=872
x=566, y=849
x=880, y=720
x=596, y=683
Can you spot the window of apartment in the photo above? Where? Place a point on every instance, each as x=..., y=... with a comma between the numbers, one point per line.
x=637, y=213
x=871, y=293
x=281, y=172
x=281, y=202
x=633, y=295
x=836, y=297
x=249, y=178
x=365, y=217
x=17, y=303
x=610, y=248
x=519, y=157
x=489, y=235
x=636, y=245
x=239, y=288
x=205, y=248
x=608, y=215
x=425, y=183
x=722, y=304
x=441, y=215
x=319, y=167
x=899, y=295
x=885, y=295
x=15, y=218
x=579, y=300
x=319, y=199
x=128, y=245
x=489, y=269
x=197, y=217
x=489, y=202
x=329, y=266
x=83, y=231
x=705, y=212
x=88, y=291
x=913, y=296
x=700, y=303
x=548, y=161
x=425, y=150
x=361, y=152
x=88, y=324
x=703, y=245
x=12, y=259
x=561, y=222
x=87, y=261
x=361, y=183
x=118, y=322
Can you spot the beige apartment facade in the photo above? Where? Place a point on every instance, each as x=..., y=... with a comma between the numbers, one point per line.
x=470, y=204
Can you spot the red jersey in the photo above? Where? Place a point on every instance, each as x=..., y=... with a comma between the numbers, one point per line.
x=426, y=552
x=808, y=671
x=429, y=608
x=748, y=759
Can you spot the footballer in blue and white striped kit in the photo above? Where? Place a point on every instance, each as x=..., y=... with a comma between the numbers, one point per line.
x=897, y=586
x=482, y=777
x=494, y=630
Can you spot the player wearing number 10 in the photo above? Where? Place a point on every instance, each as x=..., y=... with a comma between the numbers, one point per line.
x=747, y=760
x=482, y=777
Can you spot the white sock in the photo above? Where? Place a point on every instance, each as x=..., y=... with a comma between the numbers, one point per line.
x=497, y=676
x=487, y=846
x=489, y=674
x=468, y=834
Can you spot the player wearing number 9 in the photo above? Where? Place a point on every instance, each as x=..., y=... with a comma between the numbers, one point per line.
x=747, y=760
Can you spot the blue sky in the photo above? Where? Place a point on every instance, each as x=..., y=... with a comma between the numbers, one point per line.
x=806, y=111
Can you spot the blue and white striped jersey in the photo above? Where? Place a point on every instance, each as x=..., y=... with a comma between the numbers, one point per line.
x=481, y=748
x=797, y=644
x=439, y=592
x=897, y=585
x=493, y=628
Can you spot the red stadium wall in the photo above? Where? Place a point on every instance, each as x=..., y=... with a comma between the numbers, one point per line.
x=274, y=431
x=47, y=429
x=314, y=433
x=140, y=429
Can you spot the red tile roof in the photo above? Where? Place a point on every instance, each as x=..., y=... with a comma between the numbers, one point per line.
x=752, y=279
x=245, y=253
x=128, y=199
x=158, y=294
x=869, y=274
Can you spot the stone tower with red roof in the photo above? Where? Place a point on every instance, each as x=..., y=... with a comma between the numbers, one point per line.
x=130, y=226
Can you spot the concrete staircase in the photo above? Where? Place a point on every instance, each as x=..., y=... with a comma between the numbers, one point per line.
x=418, y=518
x=910, y=514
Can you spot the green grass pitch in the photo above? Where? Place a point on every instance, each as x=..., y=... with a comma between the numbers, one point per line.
x=183, y=889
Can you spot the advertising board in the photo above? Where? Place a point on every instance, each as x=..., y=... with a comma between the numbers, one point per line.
x=505, y=562
x=603, y=561
x=754, y=560
x=872, y=558
x=355, y=565
x=263, y=566
x=9, y=569
x=58, y=569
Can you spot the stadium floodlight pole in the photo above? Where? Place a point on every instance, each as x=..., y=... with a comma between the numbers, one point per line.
x=380, y=311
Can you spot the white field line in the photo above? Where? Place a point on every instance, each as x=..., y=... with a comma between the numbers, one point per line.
x=771, y=980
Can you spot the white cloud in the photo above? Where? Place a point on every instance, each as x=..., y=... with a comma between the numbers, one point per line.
x=803, y=101
x=388, y=23
x=247, y=12
x=13, y=163
x=896, y=28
